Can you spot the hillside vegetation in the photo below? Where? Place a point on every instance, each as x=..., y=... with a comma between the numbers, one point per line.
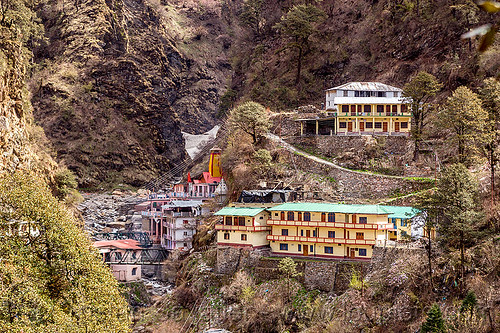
x=114, y=83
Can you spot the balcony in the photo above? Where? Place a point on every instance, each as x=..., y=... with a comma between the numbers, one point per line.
x=242, y=228
x=365, y=226
x=151, y=214
x=372, y=114
x=305, y=239
x=182, y=214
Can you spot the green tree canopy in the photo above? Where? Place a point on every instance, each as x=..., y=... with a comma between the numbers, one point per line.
x=455, y=206
x=299, y=24
x=434, y=322
x=251, y=118
x=51, y=277
x=418, y=93
x=490, y=97
x=465, y=116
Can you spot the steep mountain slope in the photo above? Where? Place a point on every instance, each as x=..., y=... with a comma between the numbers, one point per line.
x=23, y=145
x=117, y=81
x=358, y=40
x=113, y=91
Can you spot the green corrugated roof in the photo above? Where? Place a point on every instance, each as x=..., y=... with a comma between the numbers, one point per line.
x=332, y=208
x=239, y=211
x=401, y=212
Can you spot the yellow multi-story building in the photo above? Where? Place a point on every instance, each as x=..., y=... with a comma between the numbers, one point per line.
x=361, y=108
x=327, y=230
x=243, y=227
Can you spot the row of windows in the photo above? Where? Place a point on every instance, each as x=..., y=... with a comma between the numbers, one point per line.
x=290, y=216
x=243, y=237
x=378, y=124
x=327, y=249
x=331, y=234
x=237, y=220
x=379, y=108
x=306, y=216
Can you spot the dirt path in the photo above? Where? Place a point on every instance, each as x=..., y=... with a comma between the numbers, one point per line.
x=291, y=148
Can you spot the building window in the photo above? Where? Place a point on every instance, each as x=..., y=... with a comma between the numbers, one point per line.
x=289, y=216
x=185, y=233
x=342, y=124
x=345, y=108
x=241, y=221
x=369, y=125
x=404, y=223
x=302, y=233
x=243, y=237
x=311, y=248
x=134, y=271
x=380, y=108
x=360, y=235
x=368, y=108
x=299, y=216
x=226, y=235
x=283, y=247
x=378, y=124
x=185, y=244
x=362, y=252
x=307, y=216
x=363, y=219
x=404, y=124
x=299, y=247
x=329, y=249
x=331, y=217
x=331, y=234
x=353, y=109
x=404, y=108
x=229, y=220
x=323, y=217
x=314, y=233
x=345, y=93
x=394, y=109
x=284, y=232
x=275, y=214
x=381, y=94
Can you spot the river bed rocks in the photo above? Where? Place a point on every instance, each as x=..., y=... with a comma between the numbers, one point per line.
x=111, y=212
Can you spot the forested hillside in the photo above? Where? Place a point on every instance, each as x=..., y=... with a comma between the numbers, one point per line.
x=114, y=83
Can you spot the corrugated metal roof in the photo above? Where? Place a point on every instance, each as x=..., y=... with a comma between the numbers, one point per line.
x=367, y=100
x=239, y=211
x=401, y=212
x=332, y=208
x=182, y=203
x=366, y=86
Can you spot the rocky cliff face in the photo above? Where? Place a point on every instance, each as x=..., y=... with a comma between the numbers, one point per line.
x=116, y=81
x=113, y=89
x=21, y=142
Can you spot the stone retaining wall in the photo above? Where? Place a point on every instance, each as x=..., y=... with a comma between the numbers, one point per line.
x=362, y=187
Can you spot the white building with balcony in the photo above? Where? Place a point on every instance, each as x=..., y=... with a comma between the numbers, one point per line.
x=361, y=108
x=178, y=224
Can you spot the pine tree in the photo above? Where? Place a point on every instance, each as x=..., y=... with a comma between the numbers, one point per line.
x=434, y=322
x=464, y=115
x=298, y=24
x=454, y=205
x=490, y=96
x=418, y=93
